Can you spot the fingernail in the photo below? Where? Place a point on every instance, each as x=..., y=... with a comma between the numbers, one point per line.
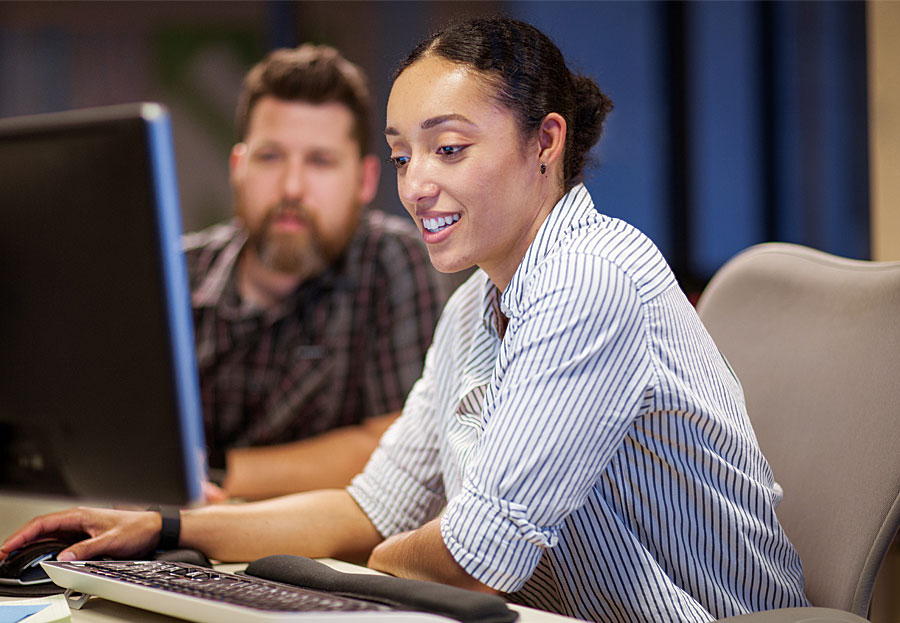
x=66, y=556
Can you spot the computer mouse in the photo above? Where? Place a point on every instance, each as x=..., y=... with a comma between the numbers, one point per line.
x=23, y=566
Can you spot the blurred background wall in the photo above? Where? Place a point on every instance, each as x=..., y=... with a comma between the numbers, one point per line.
x=884, y=127
x=735, y=122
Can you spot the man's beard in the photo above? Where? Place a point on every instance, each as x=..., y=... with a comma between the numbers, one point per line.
x=295, y=253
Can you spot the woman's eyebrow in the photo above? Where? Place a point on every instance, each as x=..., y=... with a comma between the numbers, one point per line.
x=432, y=122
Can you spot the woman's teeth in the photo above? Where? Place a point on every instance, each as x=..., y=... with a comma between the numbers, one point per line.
x=438, y=223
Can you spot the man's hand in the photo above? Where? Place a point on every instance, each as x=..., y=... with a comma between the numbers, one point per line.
x=422, y=555
x=327, y=461
x=213, y=493
x=117, y=533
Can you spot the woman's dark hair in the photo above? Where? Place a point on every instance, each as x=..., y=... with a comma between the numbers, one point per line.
x=315, y=74
x=531, y=78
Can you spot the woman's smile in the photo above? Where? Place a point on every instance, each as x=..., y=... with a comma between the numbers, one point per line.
x=439, y=223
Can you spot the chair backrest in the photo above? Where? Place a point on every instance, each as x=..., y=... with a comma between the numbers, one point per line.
x=815, y=342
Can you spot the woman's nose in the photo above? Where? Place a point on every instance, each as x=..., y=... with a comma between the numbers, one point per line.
x=417, y=184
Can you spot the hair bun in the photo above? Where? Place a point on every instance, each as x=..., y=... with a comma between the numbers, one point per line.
x=591, y=108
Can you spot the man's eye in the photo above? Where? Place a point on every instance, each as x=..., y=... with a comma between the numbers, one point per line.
x=398, y=161
x=267, y=156
x=322, y=161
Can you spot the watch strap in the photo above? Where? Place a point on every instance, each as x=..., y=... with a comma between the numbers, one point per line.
x=171, y=526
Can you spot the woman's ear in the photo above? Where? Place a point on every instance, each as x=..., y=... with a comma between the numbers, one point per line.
x=552, y=139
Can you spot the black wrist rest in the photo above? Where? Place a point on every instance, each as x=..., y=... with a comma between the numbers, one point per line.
x=400, y=593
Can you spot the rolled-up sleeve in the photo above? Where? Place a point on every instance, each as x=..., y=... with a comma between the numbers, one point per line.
x=401, y=486
x=481, y=532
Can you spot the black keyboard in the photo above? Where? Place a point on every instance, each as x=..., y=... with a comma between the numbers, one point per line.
x=205, y=595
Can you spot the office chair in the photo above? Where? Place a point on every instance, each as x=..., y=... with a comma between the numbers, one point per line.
x=815, y=341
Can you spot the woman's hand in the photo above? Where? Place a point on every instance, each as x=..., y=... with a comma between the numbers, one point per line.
x=115, y=533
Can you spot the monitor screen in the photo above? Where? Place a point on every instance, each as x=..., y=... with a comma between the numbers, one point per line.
x=99, y=396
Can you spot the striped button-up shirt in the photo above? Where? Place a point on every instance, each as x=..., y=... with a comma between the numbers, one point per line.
x=597, y=461
x=346, y=345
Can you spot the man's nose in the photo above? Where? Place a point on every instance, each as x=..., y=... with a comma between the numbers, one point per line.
x=294, y=180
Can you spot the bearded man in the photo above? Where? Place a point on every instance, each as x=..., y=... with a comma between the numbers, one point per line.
x=312, y=313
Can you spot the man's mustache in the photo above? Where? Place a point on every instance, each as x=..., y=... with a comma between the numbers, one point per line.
x=288, y=208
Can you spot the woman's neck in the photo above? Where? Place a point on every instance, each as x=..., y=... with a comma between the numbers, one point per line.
x=501, y=272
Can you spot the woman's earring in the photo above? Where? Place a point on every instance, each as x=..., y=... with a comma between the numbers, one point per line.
x=543, y=168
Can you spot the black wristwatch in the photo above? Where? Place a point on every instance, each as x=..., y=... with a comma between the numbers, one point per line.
x=171, y=526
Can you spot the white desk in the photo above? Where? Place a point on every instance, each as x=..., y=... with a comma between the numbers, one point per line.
x=16, y=511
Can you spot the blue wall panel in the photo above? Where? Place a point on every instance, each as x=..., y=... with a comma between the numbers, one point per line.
x=619, y=45
x=724, y=143
x=821, y=177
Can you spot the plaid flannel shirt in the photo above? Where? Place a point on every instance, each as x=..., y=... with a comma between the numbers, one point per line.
x=346, y=345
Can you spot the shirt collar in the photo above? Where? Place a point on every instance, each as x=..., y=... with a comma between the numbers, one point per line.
x=220, y=276
x=575, y=209
x=490, y=308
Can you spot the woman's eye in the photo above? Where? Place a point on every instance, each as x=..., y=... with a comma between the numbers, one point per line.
x=398, y=161
x=450, y=150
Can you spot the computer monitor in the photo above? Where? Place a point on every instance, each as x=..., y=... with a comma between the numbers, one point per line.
x=99, y=395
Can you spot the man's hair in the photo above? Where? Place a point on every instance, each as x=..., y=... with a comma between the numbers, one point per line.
x=315, y=74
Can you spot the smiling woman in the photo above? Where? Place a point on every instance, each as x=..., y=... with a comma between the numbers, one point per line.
x=588, y=439
x=469, y=139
